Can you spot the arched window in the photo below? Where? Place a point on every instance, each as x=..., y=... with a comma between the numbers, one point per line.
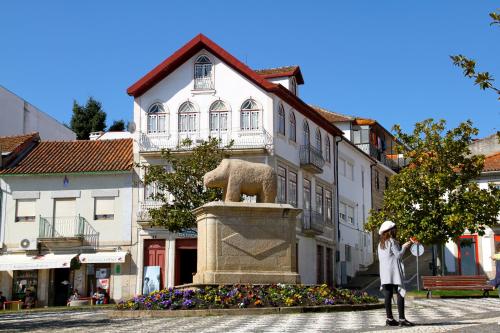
x=281, y=120
x=319, y=145
x=157, y=119
x=250, y=115
x=218, y=116
x=188, y=118
x=203, y=73
x=293, y=127
x=307, y=134
x=328, y=151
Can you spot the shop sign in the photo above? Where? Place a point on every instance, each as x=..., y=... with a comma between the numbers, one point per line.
x=103, y=283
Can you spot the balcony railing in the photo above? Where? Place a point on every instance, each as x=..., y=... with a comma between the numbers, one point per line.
x=153, y=142
x=68, y=227
x=312, y=222
x=311, y=159
x=144, y=207
x=392, y=161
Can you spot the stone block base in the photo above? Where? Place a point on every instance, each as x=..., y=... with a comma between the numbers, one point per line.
x=246, y=243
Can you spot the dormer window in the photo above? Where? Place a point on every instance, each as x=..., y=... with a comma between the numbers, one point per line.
x=293, y=85
x=203, y=73
x=157, y=119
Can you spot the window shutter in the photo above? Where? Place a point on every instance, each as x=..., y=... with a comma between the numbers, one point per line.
x=25, y=210
x=104, y=208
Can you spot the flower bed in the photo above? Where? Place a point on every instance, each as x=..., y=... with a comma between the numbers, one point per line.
x=245, y=296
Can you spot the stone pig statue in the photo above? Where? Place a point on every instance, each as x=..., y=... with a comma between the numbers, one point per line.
x=237, y=177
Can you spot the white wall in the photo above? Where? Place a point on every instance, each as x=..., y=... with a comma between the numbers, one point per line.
x=355, y=192
x=113, y=232
x=19, y=117
x=233, y=88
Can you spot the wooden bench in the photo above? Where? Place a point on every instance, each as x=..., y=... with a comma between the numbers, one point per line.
x=12, y=303
x=456, y=282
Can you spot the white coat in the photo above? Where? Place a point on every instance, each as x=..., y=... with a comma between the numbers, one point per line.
x=391, y=265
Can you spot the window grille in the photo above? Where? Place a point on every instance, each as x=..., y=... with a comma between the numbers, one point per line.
x=250, y=114
x=203, y=73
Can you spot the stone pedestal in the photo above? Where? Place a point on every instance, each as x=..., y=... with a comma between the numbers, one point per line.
x=242, y=242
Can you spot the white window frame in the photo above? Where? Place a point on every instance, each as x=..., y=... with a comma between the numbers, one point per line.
x=187, y=118
x=108, y=216
x=220, y=110
x=281, y=120
x=203, y=73
x=293, y=188
x=250, y=115
x=293, y=127
x=30, y=205
x=282, y=184
x=155, y=113
x=328, y=149
x=306, y=134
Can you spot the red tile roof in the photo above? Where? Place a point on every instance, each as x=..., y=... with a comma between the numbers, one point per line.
x=76, y=157
x=332, y=116
x=202, y=42
x=492, y=162
x=8, y=144
x=270, y=73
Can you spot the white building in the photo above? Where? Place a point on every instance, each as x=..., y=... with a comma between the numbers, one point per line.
x=17, y=116
x=66, y=220
x=471, y=253
x=201, y=91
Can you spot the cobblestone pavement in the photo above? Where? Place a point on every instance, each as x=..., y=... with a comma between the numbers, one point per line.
x=440, y=315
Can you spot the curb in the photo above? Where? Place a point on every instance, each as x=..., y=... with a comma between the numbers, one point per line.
x=240, y=312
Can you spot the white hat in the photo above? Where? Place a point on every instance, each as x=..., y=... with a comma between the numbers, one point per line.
x=386, y=226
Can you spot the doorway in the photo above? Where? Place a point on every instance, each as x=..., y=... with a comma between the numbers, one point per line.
x=185, y=260
x=154, y=255
x=468, y=255
x=61, y=286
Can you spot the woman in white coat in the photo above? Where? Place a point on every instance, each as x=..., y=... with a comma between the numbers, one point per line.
x=392, y=272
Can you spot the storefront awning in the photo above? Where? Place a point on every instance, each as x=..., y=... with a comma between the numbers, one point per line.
x=17, y=262
x=103, y=257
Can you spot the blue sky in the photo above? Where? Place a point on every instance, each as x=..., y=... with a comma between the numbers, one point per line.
x=387, y=60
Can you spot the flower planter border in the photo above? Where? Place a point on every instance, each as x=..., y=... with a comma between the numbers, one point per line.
x=241, y=312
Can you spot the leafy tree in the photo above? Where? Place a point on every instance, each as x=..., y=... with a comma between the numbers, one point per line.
x=435, y=197
x=87, y=119
x=483, y=79
x=185, y=183
x=118, y=126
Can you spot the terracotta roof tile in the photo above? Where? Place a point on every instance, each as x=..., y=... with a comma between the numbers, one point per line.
x=332, y=116
x=277, y=70
x=9, y=144
x=76, y=157
x=281, y=72
x=492, y=162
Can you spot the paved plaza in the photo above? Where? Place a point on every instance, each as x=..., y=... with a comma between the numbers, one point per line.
x=439, y=315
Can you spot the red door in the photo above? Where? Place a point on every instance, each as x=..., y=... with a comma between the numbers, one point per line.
x=154, y=255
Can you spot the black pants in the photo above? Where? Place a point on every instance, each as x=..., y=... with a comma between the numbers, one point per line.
x=389, y=290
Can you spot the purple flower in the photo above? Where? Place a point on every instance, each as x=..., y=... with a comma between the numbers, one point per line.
x=329, y=301
x=188, y=303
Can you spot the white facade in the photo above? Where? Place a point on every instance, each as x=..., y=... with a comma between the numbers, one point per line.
x=354, y=182
x=20, y=117
x=51, y=211
x=257, y=137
